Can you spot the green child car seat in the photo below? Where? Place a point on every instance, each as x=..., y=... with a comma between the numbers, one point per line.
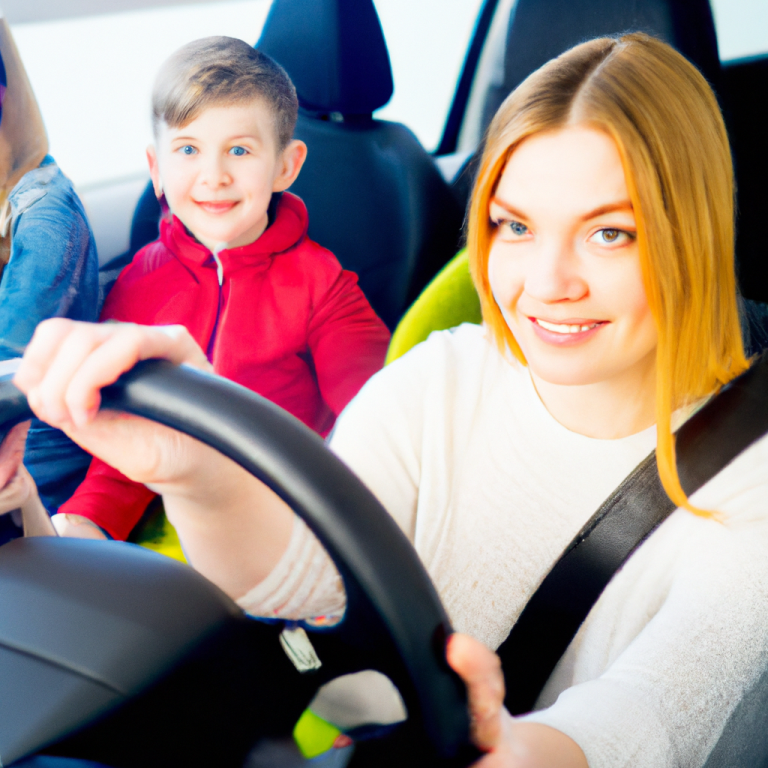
x=449, y=300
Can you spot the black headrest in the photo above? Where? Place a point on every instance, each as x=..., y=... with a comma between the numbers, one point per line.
x=333, y=50
x=539, y=30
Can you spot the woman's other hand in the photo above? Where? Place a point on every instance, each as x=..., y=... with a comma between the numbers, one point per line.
x=509, y=743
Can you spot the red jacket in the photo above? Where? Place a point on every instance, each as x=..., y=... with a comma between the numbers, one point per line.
x=287, y=322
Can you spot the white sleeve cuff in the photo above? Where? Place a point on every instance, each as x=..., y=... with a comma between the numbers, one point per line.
x=303, y=585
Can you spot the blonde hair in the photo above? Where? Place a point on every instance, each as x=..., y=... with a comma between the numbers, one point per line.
x=219, y=71
x=668, y=129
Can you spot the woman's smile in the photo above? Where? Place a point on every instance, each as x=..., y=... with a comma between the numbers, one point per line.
x=570, y=331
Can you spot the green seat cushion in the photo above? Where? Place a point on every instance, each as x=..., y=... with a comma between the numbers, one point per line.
x=449, y=300
x=156, y=533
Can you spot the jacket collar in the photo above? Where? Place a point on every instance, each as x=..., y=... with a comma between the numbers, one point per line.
x=288, y=228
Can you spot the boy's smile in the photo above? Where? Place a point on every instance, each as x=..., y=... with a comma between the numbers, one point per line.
x=218, y=172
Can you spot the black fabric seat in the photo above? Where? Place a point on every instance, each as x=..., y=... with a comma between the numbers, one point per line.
x=539, y=30
x=374, y=195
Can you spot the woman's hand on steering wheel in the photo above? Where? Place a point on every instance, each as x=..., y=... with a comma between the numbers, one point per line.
x=509, y=743
x=234, y=529
x=66, y=365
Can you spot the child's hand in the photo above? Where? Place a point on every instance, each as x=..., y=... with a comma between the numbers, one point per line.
x=16, y=485
x=76, y=527
x=17, y=492
x=66, y=365
x=12, y=452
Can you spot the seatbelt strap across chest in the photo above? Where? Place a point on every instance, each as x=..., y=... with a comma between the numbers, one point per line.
x=728, y=424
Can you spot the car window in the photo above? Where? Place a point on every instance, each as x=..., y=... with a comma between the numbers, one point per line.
x=427, y=41
x=742, y=27
x=489, y=72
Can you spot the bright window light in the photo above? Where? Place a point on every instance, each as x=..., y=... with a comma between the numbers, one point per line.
x=93, y=78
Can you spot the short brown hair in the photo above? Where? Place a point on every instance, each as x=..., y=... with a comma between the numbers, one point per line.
x=216, y=71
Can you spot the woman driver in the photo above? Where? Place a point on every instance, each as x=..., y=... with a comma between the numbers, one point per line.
x=601, y=242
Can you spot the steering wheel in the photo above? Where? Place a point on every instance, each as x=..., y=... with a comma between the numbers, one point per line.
x=390, y=598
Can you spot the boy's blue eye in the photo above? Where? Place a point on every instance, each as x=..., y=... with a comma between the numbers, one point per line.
x=238, y=151
x=187, y=150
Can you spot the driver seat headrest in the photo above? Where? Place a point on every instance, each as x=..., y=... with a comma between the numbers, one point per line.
x=539, y=30
x=333, y=50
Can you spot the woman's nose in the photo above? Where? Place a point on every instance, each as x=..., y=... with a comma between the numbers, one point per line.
x=554, y=274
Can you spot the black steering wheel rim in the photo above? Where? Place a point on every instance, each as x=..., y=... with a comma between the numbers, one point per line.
x=376, y=561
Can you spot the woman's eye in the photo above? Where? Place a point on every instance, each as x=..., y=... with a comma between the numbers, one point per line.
x=609, y=236
x=187, y=150
x=516, y=228
x=510, y=229
x=238, y=151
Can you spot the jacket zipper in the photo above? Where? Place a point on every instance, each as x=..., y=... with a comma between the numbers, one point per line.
x=220, y=276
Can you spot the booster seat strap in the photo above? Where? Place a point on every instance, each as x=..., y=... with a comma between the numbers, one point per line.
x=728, y=424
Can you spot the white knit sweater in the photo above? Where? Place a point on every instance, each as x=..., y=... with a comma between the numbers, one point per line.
x=454, y=441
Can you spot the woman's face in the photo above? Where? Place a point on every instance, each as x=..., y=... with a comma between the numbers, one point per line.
x=564, y=264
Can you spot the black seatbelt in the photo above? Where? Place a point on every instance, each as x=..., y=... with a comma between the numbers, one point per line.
x=729, y=423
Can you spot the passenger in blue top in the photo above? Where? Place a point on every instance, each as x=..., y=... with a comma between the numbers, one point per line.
x=53, y=269
x=48, y=263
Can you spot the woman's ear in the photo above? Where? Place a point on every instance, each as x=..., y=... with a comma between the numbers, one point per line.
x=289, y=164
x=154, y=171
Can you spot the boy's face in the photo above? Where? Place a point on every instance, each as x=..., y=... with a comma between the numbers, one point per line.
x=219, y=171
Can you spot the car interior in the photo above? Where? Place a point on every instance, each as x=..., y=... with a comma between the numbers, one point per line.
x=393, y=213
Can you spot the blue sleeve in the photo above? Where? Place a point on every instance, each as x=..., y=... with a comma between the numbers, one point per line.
x=53, y=268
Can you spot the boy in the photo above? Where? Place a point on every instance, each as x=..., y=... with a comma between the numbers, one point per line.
x=274, y=311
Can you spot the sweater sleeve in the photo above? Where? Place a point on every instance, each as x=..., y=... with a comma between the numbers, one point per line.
x=377, y=436
x=347, y=340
